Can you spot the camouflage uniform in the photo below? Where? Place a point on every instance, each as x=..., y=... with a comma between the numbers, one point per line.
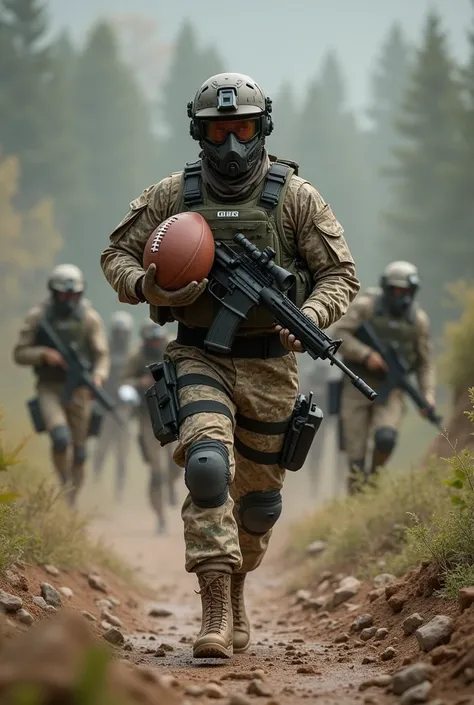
x=250, y=394
x=67, y=424
x=362, y=420
x=163, y=473
x=112, y=435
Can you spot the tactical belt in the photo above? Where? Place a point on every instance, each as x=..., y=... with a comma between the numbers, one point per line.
x=263, y=347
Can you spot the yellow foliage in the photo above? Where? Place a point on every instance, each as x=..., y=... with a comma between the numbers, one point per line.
x=458, y=361
x=29, y=243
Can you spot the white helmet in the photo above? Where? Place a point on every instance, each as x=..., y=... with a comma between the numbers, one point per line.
x=401, y=274
x=121, y=320
x=66, y=278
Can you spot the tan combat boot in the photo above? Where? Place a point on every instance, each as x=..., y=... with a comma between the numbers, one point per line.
x=241, y=639
x=215, y=638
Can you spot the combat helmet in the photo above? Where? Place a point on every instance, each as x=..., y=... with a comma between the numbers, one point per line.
x=66, y=284
x=399, y=282
x=230, y=118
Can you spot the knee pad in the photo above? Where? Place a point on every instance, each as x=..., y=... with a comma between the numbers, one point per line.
x=155, y=481
x=80, y=455
x=207, y=473
x=259, y=511
x=385, y=439
x=60, y=438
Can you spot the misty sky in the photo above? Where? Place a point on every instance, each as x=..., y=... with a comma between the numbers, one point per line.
x=270, y=45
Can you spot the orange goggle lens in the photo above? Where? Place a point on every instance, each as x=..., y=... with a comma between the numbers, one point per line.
x=217, y=131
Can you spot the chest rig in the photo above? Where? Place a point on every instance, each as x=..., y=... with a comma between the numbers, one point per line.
x=401, y=333
x=71, y=331
x=260, y=219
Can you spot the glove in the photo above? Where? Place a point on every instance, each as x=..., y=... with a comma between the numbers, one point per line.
x=157, y=296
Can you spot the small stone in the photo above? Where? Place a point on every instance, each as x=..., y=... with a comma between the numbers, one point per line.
x=114, y=601
x=17, y=580
x=382, y=580
x=159, y=612
x=342, y=595
x=239, y=699
x=437, y=631
x=25, y=617
x=363, y=621
x=381, y=634
x=412, y=623
x=88, y=616
x=368, y=633
x=214, y=691
x=128, y=646
x=10, y=603
x=381, y=681
x=40, y=602
x=442, y=654
x=351, y=583
x=341, y=639
x=393, y=588
x=375, y=594
x=166, y=647
x=306, y=670
x=104, y=605
x=96, y=582
x=112, y=619
x=417, y=694
x=397, y=602
x=368, y=659
x=66, y=591
x=466, y=598
x=302, y=596
x=106, y=625
x=114, y=636
x=160, y=653
x=194, y=690
x=315, y=548
x=411, y=676
x=51, y=569
x=50, y=595
x=257, y=687
x=388, y=654
x=468, y=676
x=315, y=603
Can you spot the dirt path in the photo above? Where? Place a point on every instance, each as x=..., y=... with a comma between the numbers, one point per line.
x=284, y=642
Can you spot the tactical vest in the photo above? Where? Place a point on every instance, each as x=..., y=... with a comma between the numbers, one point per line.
x=71, y=331
x=402, y=333
x=260, y=219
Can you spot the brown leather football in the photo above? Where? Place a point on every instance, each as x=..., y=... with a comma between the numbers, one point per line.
x=182, y=248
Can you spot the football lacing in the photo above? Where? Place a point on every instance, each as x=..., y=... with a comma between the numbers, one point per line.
x=161, y=232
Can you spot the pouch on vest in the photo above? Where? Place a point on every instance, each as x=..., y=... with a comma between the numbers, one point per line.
x=95, y=422
x=162, y=402
x=304, y=424
x=36, y=415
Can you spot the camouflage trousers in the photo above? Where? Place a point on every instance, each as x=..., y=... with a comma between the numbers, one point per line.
x=163, y=473
x=75, y=414
x=263, y=390
x=116, y=439
x=361, y=417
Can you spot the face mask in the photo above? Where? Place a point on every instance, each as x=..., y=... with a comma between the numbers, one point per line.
x=398, y=304
x=64, y=307
x=232, y=158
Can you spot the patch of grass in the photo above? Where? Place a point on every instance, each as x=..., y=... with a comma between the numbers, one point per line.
x=37, y=525
x=456, y=363
x=408, y=517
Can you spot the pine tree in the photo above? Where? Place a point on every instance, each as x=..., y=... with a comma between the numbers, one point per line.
x=24, y=73
x=285, y=116
x=117, y=150
x=29, y=243
x=389, y=83
x=423, y=224
x=330, y=149
x=190, y=67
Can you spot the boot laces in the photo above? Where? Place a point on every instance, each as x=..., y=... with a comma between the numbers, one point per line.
x=237, y=598
x=214, y=591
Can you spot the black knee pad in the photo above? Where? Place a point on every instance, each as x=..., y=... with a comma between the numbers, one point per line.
x=155, y=481
x=207, y=473
x=80, y=455
x=385, y=439
x=259, y=511
x=60, y=438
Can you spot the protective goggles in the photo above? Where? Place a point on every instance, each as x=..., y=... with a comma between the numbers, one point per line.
x=217, y=131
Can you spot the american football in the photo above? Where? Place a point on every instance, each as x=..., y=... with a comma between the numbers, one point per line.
x=182, y=248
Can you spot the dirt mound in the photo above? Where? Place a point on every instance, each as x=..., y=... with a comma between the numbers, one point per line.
x=51, y=657
x=392, y=612
x=459, y=431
